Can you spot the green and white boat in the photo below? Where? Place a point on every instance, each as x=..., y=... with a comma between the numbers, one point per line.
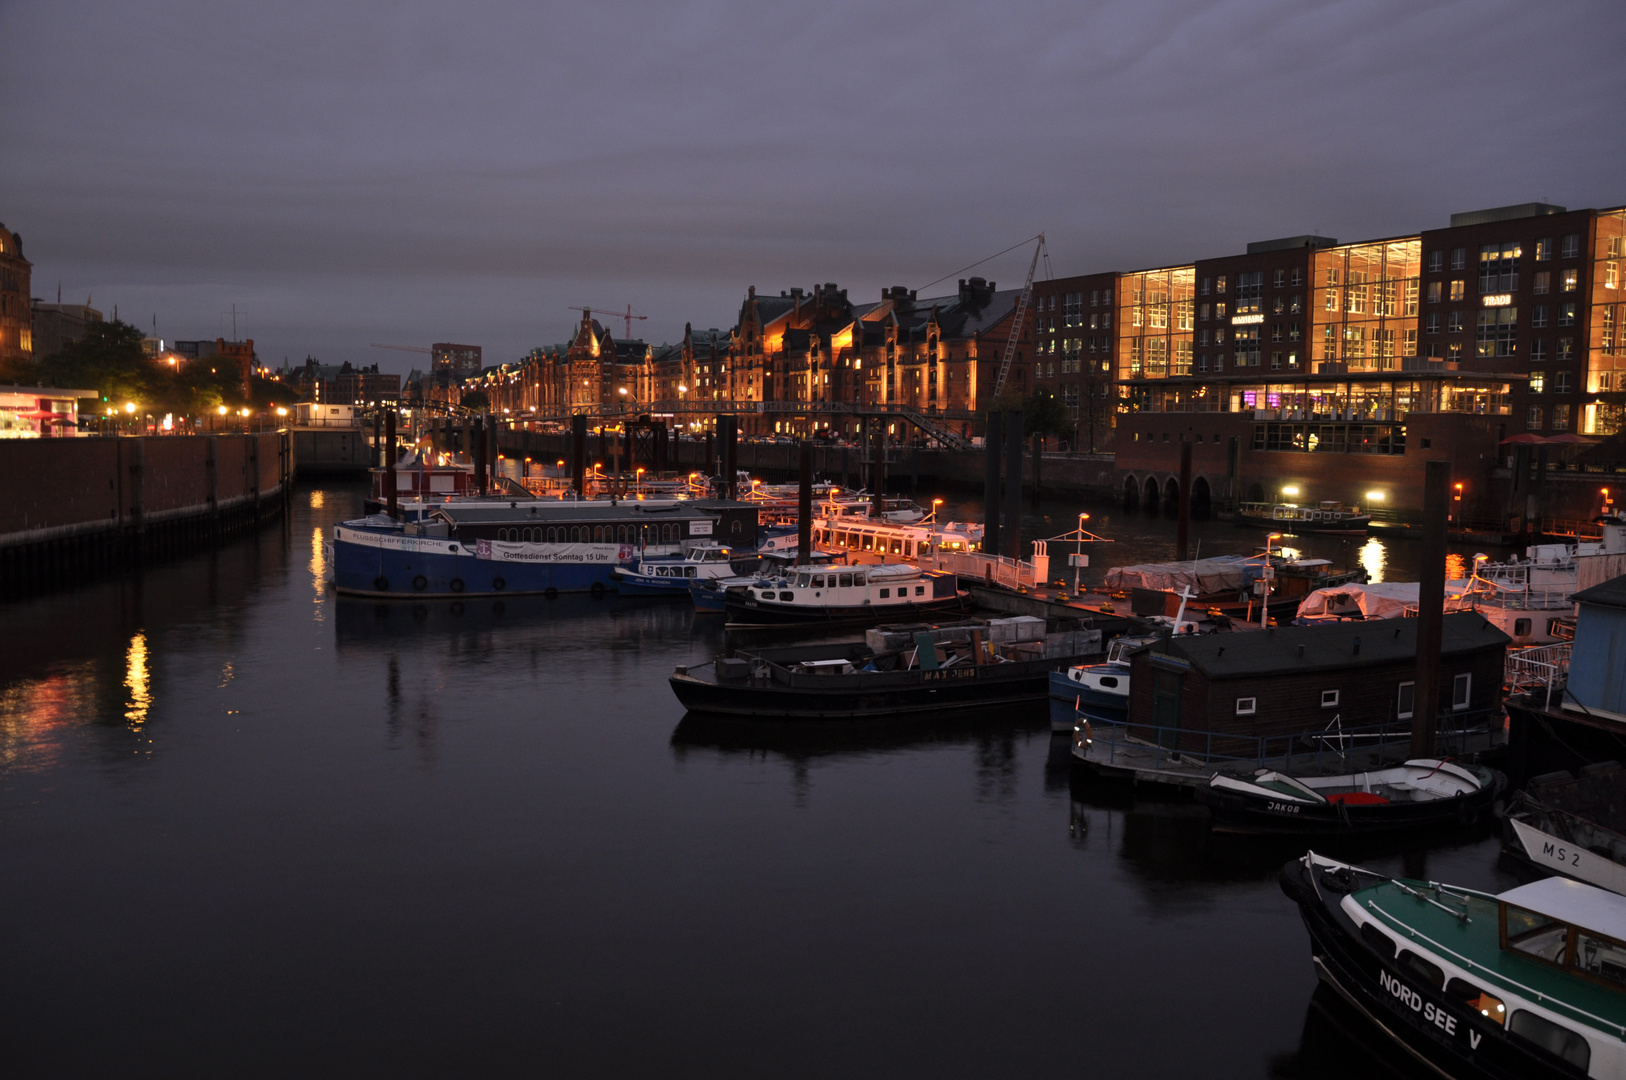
x=1527, y=983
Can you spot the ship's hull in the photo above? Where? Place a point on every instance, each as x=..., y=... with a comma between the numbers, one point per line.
x=758, y=611
x=393, y=567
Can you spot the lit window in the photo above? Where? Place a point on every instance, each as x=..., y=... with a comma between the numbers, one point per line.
x=1569, y=280
x=1532, y=420
x=1436, y=289
x=1544, y=249
x=1566, y=314
x=1459, y=288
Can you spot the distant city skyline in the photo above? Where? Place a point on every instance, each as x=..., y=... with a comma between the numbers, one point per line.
x=408, y=175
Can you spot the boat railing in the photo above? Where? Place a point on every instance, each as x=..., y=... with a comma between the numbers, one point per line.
x=1539, y=669
x=989, y=569
x=1127, y=745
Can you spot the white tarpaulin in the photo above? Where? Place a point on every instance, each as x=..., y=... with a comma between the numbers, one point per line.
x=1205, y=576
x=1386, y=600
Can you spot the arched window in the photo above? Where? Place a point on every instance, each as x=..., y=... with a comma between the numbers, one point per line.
x=734, y=527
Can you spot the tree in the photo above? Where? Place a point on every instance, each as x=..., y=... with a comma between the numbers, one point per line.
x=476, y=400
x=110, y=360
x=1043, y=413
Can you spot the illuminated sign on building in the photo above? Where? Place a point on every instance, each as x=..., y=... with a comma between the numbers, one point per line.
x=1498, y=300
x=1246, y=320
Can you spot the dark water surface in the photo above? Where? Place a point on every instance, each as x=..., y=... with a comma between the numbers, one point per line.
x=250, y=829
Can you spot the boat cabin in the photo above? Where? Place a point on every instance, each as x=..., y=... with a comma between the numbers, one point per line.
x=1578, y=928
x=632, y=523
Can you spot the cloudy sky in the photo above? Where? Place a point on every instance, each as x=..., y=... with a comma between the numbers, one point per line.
x=349, y=173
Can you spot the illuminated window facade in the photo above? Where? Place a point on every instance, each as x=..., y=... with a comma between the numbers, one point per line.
x=1156, y=322
x=1366, y=299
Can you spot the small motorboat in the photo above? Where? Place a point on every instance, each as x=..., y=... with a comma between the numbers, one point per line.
x=1094, y=691
x=1529, y=983
x=671, y=576
x=1416, y=793
x=1329, y=517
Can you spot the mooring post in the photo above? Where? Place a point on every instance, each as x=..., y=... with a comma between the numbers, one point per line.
x=804, y=505
x=878, y=470
x=1182, y=533
x=389, y=464
x=578, y=455
x=1011, y=528
x=1430, y=607
x=992, y=434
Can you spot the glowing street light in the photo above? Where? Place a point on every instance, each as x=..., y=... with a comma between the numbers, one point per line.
x=1264, y=598
x=129, y=406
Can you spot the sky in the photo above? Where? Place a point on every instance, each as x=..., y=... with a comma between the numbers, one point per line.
x=403, y=173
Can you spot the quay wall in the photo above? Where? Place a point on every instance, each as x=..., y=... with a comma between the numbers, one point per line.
x=70, y=508
x=333, y=451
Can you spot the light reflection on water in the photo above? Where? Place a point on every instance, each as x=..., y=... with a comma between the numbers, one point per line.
x=33, y=711
x=137, y=682
x=318, y=567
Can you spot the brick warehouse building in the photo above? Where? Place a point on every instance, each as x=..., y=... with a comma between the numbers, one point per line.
x=16, y=312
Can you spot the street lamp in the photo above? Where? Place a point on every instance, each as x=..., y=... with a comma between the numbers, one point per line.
x=1078, y=555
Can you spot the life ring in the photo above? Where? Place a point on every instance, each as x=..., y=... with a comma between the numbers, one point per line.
x=597, y=589
x=456, y=584
x=381, y=583
x=550, y=592
x=419, y=583
x=498, y=584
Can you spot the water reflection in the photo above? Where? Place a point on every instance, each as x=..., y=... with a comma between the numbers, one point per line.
x=137, y=681
x=1374, y=558
x=1338, y=1043
x=318, y=568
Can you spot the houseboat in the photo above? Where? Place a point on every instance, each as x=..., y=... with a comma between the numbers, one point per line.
x=1328, y=517
x=1323, y=699
x=867, y=541
x=871, y=593
x=1528, y=983
x=489, y=547
x=925, y=668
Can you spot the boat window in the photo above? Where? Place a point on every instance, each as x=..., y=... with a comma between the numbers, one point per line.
x=920, y=590
x=897, y=546
x=1425, y=970
x=846, y=580
x=787, y=596
x=688, y=571
x=1554, y=1038
x=858, y=579
x=1461, y=690
x=1329, y=699
x=909, y=549
x=1383, y=943
x=801, y=581
x=924, y=549
x=1247, y=706
x=1535, y=934
x=885, y=593
x=818, y=581
x=1600, y=956
x=1521, y=627
x=1109, y=681
x=1491, y=1008
x=1403, y=700
x=868, y=543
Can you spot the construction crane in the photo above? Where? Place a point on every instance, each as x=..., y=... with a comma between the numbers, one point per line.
x=627, y=316
x=1022, y=303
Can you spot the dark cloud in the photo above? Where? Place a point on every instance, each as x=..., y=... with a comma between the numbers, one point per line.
x=418, y=172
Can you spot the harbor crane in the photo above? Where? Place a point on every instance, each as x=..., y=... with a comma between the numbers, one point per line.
x=1022, y=303
x=626, y=316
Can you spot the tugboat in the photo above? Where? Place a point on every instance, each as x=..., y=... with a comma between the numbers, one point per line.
x=1419, y=793
x=1525, y=984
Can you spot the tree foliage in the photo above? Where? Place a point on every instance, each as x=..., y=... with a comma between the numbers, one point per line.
x=1043, y=413
x=476, y=400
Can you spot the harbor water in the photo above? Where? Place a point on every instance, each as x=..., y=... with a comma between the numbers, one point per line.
x=249, y=828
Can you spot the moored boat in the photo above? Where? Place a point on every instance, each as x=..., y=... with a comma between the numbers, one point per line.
x=1418, y=793
x=873, y=593
x=1528, y=983
x=671, y=575
x=899, y=669
x=1573, y=825
x=1094, y=691
x=1328, y=517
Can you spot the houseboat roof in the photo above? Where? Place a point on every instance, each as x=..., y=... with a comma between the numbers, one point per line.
x=1286, y=649
x=550, y=510
x=1611, y=593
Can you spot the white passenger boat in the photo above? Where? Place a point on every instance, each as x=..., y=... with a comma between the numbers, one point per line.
x=665, y=575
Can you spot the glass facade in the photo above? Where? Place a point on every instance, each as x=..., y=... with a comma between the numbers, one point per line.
x=1366, y=303
x=1155, y=318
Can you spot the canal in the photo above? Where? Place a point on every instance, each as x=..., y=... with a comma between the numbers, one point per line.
x=249, y=829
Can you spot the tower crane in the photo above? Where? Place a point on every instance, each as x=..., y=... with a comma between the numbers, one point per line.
x=627, y=316
x=1022, y=303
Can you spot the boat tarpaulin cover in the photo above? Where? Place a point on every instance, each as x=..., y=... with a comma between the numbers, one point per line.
x=1228, y=574
x=1385, y=600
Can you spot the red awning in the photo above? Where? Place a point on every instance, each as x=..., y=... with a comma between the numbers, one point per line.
x=1524, y=438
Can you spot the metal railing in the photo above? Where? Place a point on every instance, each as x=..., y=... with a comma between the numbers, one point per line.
x=1128, y=745
x=990, y=569
x=1540, y=669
